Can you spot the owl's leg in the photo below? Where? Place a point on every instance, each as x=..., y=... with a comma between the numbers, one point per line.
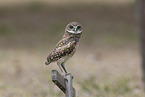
x=61, y=68
x=66, y=73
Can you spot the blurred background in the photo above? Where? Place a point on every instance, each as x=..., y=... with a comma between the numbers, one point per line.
x=107, y=62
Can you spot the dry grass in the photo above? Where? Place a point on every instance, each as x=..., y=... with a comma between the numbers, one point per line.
x=104, y=72
x=107, y=63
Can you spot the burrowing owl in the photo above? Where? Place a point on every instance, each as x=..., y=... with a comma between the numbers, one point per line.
x=66, y=47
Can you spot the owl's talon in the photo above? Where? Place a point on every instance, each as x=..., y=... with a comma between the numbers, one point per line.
x=68, y=74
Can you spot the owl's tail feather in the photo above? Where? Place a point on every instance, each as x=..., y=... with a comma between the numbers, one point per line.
x=48, y=61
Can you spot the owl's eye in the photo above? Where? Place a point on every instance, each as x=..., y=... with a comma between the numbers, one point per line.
x=71, y=27
x=78, y=27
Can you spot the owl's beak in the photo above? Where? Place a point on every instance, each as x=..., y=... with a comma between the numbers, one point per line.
x=75, y=29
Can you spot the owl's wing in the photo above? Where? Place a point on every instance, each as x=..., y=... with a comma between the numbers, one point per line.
x=61, y=51
x=63, y=42
x=64, y=48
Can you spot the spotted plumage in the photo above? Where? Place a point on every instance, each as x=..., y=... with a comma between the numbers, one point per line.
x=67, y=46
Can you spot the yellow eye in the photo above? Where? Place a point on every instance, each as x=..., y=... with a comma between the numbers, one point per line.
x=71, y=27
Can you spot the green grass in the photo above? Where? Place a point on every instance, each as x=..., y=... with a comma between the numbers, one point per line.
x=110, y=88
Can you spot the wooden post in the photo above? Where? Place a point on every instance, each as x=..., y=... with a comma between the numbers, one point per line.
x=141, y=21
x=64, y=83
x=70, y=92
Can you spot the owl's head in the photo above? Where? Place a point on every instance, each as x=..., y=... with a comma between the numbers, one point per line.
x=74, y=28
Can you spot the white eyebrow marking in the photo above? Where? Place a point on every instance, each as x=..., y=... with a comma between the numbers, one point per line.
x=76, y=27
x=74, y=32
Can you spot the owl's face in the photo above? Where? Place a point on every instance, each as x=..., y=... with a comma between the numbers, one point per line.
x=74, y=28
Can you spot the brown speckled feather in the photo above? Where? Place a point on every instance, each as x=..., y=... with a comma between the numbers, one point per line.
x=60, y=52
x=66, y=47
